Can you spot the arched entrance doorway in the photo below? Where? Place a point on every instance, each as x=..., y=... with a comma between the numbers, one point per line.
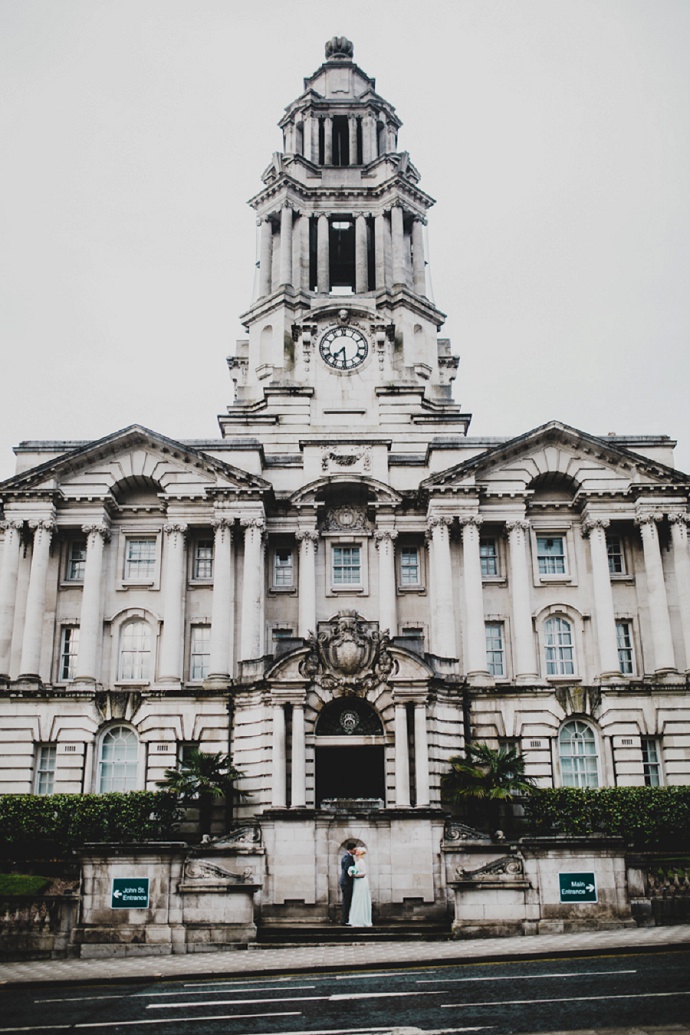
x=349, y=750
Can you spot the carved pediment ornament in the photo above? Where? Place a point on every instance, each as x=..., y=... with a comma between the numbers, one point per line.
x=456, y=831
x=348, y=518
x=201, y=870
x=349, y=655
x=509, y=867
x=579, y=700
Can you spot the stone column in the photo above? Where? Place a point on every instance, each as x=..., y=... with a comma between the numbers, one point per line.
x=300, y=250
x=285, y=246
x=306, y=138
x=323, y=262
x=8, y=591
x=174, y=557
x=361, y=257
x=36, y=599
x=223, y=604
x=681, y=558
x=402, y=758
x=380, y=250
x=418, y=261
x=442, y=604
x=595, y=529
x=352, y=131
x=328, y=140
x=252, y=645
x=523, y=634
x=279, y=758
x=299, y=766
x=368, y=145
x=266, y=257
x=421, y=755
x=385, y=544
x=474, y=633
x=664, y=659
x=398, y=238
x=308, y=540
x=91, y=618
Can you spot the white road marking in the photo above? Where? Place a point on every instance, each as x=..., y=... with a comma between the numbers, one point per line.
x=149, y=1020
x=572, y=999
x=153, y=995
x=522, y=977
x=344, y=997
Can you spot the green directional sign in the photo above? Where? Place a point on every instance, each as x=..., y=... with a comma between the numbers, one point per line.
x=130, y=893
x=577, y=887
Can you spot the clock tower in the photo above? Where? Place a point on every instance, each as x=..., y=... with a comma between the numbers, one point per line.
x=342, y=332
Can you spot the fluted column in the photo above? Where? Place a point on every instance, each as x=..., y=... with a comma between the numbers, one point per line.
x=352, y=131
x=398, y=238
x=385, y=544
x=664, y=659
x=402, y=758
x=266, y=257
x=170, y=665
x=91, y=618
x=595, y=530
x=418, y=261
x=523, y=634
x=681, y=558
x=361, y=257
x=8, y=590
x=474, y=635
x=36, y=599
x=279, y=758
x=323, y=268
x=308, y=540
x=421, y=755
x=252, y=597
x=368, y=148
x=300, y=252
x=328, y=140
x=299, y=767
x=380, y=250
x=442, y=633
x=285, y=245
x=223, y=604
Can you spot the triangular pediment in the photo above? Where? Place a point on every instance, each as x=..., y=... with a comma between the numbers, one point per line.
x=590, y=464
x=130, y=457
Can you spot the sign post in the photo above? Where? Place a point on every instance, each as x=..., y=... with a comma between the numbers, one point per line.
x=577, y=887
x=130, y=893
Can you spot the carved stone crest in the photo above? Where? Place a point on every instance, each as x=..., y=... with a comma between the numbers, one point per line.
x=508, y=867
x=349, y=654
x=201, y=870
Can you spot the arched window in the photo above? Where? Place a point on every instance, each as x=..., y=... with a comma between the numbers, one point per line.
x=577, y=750
x=135, y=650
x=558, y=647
x=118, y=760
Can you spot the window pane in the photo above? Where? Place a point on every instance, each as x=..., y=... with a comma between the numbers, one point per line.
x=625, y=648
x=346, y=566
x=203, y=559
x=200, y=652
x=282, y=568
x=614, y=550
x=45, y=769
x=494, y=648
x=140, y=559
x=409, y=566
x=651, y=763
x=558, y=641
x=118, y=761
x=577, y=748
x=551, y=555
x=76, y=560
x=488, y=555
x=69, y=650
x=135, y=650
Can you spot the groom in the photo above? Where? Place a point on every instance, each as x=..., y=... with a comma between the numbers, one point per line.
x=346, y=881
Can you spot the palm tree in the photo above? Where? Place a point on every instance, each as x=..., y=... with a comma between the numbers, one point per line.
x=201, y=778
x=488, y=776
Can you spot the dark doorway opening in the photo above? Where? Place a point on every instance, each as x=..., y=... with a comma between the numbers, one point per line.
x=350, y=772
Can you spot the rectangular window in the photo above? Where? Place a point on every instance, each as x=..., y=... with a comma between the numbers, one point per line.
x=651, y=762
x=409, y=566
x=69, y=650
x=614, y=549
x=626, y=661
x=283, y=569
x=347, y=566
x=488, y=555
x=44, y=780
x=551, y=555
x=202, y=559
x=140, y=559
x=76, y=560
x=495, y=650
x=200, y=651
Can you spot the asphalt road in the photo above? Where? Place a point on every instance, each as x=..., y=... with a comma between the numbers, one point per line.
x=615, y=991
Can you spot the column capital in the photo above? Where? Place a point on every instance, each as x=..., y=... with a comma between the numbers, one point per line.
x=308, y=535
x=679, y=518
x=175, y=529
x=438, y=520
x=11, y=525
x=97, y=529
x=594, y=524
x=648, y=518
x=253, y=523
x=385, y=535
x=223, y=523
x=518, y=525
x=470, y=520
x=43, y=525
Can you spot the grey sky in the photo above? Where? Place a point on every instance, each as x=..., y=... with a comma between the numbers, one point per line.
x=554, y=135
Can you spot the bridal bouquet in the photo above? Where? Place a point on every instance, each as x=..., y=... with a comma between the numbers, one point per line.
x=354, y=871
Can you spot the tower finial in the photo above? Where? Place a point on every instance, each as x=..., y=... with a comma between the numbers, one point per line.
x=339, y=47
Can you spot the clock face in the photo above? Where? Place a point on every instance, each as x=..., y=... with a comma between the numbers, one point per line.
x=343, y=348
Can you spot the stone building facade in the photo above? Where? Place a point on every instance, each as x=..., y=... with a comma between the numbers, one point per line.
x=345, y=588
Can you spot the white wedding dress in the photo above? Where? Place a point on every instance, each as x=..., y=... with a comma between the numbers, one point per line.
x=360, y=909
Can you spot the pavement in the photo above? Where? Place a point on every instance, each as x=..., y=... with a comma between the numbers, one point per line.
x=351, y=955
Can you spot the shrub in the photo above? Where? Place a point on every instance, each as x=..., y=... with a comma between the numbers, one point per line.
x=649, y=818
x=22, y=884
x=60, y=823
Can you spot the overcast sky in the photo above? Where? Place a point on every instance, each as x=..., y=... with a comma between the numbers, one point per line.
x=554, y=135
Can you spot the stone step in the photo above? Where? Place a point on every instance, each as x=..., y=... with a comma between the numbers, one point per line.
x=317, y=934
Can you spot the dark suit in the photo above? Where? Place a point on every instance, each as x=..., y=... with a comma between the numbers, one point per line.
x=346, y=884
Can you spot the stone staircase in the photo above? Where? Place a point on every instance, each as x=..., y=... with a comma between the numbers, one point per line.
x=274, y=935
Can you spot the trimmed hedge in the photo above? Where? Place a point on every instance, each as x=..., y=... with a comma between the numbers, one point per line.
x=649, y=818
x=34, y=825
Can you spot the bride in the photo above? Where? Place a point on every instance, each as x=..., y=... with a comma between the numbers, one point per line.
x=360, y=910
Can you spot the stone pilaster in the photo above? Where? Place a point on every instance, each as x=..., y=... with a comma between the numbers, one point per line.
x=594, y=528
x=418, y=260
x=402, y=758
x=252, y=645
x=36, y=599
x=298, y=797
x=91, y=619
x=398, y=237
x=421, y=755
x=361, y=257
x=279, y=758
x=442, y=603
x=8, y=591
x=266, y=258
x=523, y=633
x=223, y=605
x=323, y=269
x=385, y=544
x=662, y=641
x=308, y=540
x=474, y=634
x=285, y=246
x=174, y=559
x=681, y=557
